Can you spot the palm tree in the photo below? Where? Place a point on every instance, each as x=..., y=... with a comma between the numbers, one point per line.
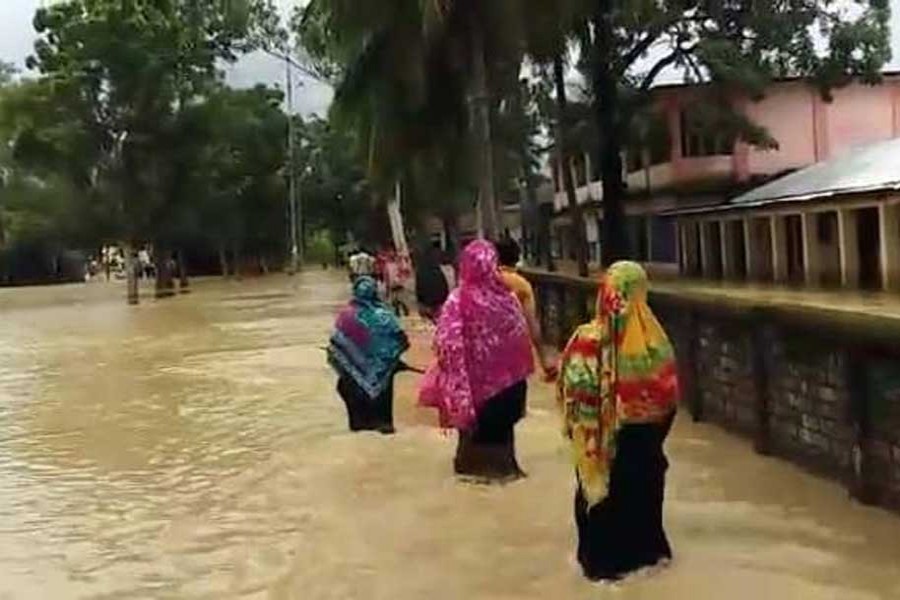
x=550, y=29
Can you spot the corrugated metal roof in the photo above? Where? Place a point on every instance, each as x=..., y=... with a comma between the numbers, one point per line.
x=867, y=168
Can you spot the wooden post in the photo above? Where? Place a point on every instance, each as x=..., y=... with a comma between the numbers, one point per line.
x=889, y=229
x=779, y=249
x=848, y=241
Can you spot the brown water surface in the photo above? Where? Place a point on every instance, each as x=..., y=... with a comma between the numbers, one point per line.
x=194, y=448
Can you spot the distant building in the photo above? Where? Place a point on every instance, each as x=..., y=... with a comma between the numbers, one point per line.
x=836, y=223
x=682, y=169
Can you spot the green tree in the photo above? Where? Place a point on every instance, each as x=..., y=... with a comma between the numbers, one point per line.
x=122, y=70
x=737, y=47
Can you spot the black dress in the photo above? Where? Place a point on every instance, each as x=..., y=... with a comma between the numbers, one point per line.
x=625, y=532
x=365, y=413
x=489, y=450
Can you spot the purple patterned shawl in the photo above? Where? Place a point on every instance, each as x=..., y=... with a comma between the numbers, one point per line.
x=482, y=344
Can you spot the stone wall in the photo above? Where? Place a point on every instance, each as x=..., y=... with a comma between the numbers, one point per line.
x=814, y=388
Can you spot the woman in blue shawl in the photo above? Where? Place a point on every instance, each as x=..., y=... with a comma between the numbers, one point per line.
x=365, y=352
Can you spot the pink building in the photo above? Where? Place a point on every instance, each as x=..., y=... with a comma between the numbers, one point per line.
x=683, y=168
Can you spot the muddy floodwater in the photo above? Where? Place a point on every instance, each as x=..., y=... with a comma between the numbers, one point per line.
x=195, y=448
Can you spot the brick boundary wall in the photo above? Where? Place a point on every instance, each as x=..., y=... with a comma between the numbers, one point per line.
x=819, y=388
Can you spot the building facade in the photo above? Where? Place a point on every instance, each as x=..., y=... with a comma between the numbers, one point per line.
x=833, y=224
x=684, y=167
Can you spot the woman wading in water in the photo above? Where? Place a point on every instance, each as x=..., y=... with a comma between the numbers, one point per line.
x=618, y=391
x=365, y=352
x=478, y=383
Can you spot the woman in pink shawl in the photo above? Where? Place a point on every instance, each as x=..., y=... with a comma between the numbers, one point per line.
x=478, y=383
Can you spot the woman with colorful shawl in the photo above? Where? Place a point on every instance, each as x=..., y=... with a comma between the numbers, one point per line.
x=365, y=352
x=618, y=390
x=478, y=383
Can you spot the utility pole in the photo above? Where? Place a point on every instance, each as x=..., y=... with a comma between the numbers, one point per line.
x=292, y=169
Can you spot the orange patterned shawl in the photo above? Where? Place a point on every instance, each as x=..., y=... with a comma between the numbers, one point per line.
x=616, y=370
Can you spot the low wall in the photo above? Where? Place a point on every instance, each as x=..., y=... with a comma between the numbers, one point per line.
x=815, y=386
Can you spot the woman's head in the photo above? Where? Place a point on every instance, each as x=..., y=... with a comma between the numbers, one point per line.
x=623, y=285
x=479, y=263
x=365, y=289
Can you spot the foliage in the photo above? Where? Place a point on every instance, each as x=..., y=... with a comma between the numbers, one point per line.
x=736, y=48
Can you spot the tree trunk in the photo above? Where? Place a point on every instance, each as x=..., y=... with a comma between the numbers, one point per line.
x=451, y=235
x=544, y=242
x=479, y=103
x=184, y=284
x=237, y=260
x=223, y=260
x=606, y=106
x=131, y=276
x=165, y=281
x=395, y=217
x=530, y=218
x=576, y=213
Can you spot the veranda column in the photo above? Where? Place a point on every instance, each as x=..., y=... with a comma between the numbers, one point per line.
x=848, y=243
x=728, y=252
x=779, y=248
x=812, y=255
x=753, y=261
x=889, y=229
x=703, y=233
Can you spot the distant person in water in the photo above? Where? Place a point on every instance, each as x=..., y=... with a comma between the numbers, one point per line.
x=483, y=359
x=362, y=264
x=365, y=351
x=618, y=390
x=510, y=254
x=431, y=284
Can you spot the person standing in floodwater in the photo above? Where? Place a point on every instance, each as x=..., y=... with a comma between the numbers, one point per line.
x=365, y=351
x=432, y=288
x=483, y=359
x=618, y=392
x=510, y=253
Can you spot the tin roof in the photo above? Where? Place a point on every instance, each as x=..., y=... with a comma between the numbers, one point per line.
x=869, y=168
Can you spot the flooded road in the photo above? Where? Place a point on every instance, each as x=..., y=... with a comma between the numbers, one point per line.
x=194, y=448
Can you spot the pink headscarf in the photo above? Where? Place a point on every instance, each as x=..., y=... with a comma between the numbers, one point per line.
x=482, y=342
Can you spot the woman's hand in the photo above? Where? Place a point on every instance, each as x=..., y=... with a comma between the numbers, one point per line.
x=550, y=368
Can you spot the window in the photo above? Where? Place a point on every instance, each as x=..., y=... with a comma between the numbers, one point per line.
x=703, y=138
x=637, y=235
x=663, y=235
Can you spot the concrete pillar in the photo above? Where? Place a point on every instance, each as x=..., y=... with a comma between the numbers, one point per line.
x=753, y=266
x=889, y=230
x=679, y=243
x=703, y=233
x=779, y=249
x=728, y=255
x=849, y=248
x=812, y=255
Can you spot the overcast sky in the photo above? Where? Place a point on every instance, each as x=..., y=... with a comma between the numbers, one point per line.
x=17, y=38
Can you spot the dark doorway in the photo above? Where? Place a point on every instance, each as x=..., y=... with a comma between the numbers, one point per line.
x=738, y=249
x=869, y=239
x=829, y=248
x=693, y=265
x=762, y=250
x=714, y=250
x=796, y=271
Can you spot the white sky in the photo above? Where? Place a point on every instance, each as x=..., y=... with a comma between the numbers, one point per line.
x=17, y=38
